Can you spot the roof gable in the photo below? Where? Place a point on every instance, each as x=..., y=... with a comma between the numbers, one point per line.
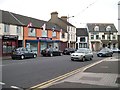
x=81, y=32
x=102, y=27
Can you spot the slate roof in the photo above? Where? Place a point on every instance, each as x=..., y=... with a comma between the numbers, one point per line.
x=102, y=27
x=81, y=32
x=69, y=24
x=16, y=19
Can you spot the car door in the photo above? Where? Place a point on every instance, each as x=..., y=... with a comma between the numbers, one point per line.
x=88, y=54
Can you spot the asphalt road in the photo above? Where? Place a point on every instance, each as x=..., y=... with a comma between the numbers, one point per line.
x=29, y=72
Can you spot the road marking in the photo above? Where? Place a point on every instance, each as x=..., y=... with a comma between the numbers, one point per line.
x=15, y=87
x=2, y=83
x=59, y=78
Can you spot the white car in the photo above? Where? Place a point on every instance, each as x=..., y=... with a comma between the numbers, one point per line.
x=82, y=54
x=116, y=50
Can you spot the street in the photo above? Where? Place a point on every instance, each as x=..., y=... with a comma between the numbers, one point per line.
x=30, y=72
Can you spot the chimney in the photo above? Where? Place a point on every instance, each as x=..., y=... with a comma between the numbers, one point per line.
x=54, y=15
x=64, y=18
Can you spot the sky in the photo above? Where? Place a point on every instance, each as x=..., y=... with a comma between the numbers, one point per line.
x=84, y=11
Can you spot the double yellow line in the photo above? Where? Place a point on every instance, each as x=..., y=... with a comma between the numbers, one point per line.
x=59, y=78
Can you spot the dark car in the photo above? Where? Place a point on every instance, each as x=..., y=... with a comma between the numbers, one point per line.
x=51, y=52
x=105, y=52
x=21, y=53
x=68, y=51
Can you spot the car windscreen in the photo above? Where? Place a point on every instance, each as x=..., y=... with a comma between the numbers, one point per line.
x=81, y=51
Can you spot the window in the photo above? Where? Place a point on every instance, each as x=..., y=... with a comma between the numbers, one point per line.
x=97, y=36
x=54, y=34
x=44, y=33
x=63, y=35
x=92, y=36
x=108, y=28
x=6, y=28
x=31, y=32
x=103, y=36
x=96, y=28
x=108, y=37
x=114, y=37
x=82, y=39
x=18, y=29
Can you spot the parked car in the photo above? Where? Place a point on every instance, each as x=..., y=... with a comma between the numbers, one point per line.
x=82, y=54
x=21, y=53
x=116, y=50
x=68, y=51
x=105, y=52
x=51, y=52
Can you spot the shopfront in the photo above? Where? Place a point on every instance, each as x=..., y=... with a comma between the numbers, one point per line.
x=9, y=42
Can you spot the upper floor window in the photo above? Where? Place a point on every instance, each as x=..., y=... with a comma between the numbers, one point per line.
x=18, y=29
x=114, y=37
x=54, y=34
x=63, y=35
x=82, y=39
x=108, y=28
x=44, y=33
x=92, y=36
x=97, y=36
x=6, y=28
x=31, y=32
x=96, y=28
x=103, y=36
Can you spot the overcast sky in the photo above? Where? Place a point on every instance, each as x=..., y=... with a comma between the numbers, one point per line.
x=84, y=11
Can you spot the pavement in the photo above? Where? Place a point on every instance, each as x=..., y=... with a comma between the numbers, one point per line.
x=103, y=75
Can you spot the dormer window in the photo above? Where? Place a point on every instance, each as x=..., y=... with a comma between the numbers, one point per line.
x=96, y=28
x=108, y=28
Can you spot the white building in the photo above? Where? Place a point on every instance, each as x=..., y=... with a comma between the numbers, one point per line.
x=101, y=35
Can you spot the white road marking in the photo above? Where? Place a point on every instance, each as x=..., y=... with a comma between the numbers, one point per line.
x=2, y=83
x=16, y=87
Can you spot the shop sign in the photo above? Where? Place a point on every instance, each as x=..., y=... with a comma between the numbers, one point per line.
x=44, y=38
x=10, y=37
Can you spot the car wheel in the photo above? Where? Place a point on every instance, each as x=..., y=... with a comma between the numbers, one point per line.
x=51, y=54
x=61, y=54
x=34, y=56
x=72, y=59
x=22, y=57
x=83, y=59
x=91, y=58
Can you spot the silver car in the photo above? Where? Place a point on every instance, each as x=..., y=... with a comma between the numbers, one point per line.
x=82, y=54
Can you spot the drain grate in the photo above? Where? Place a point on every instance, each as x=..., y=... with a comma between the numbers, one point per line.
x=90, y=78
x=118, y=80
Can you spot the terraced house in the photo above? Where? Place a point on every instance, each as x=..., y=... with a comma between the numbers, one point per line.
x=22, y=31
x=69, y=29
x=102, y=35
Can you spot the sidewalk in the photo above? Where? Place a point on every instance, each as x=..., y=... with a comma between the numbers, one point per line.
x=102, y=75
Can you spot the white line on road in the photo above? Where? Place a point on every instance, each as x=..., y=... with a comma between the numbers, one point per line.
x=2, y=83
x=16, y=87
